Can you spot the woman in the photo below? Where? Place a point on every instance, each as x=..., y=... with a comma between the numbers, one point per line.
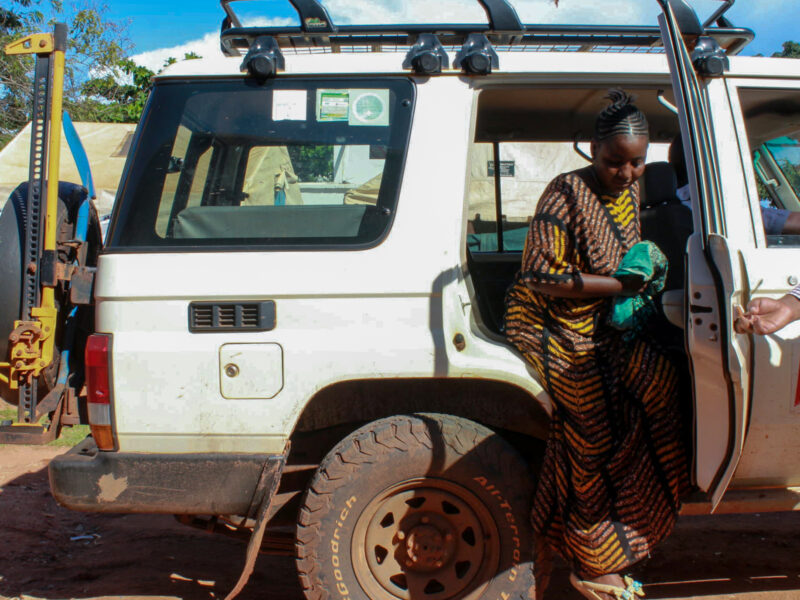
x=615, y=466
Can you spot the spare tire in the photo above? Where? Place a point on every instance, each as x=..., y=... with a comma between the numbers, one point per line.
x=13, y=220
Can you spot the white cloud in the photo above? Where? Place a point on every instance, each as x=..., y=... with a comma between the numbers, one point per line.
x=207, y=46
x=466, y=11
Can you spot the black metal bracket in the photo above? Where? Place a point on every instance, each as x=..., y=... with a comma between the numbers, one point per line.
x=313, y=16
x=264, y=58
x=685, y=16
x=502, y=16
x=709, y=58
x=427, y=56
x=477, y=56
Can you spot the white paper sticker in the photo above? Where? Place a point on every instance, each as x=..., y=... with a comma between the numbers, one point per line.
x=289, y=105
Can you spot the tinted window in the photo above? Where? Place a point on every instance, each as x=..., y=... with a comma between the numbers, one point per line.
x=293, y=163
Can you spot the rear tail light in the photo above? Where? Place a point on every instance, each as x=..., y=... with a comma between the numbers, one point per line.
x=98, y=385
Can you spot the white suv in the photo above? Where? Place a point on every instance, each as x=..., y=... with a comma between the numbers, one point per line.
x=299, y=306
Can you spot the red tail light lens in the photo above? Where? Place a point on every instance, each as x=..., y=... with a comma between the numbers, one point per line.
x=98, y=386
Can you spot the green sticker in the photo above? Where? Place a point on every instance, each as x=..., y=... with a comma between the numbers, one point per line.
x=333, y=105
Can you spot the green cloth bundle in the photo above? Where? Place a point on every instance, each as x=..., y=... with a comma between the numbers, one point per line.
x=644, y=263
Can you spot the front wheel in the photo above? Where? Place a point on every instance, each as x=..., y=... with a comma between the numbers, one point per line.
x=418, y=507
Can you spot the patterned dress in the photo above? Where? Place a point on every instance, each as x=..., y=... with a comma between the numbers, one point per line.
x=615, y=465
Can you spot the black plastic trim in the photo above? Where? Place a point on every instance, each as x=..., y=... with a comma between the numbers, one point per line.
x=119, y=482
x=265, y=316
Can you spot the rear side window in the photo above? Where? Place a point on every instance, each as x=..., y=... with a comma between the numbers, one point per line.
x=290, y=163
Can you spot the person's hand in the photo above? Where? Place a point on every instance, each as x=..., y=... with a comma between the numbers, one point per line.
x=632, y=285
x=742, y=322
x=765, y=315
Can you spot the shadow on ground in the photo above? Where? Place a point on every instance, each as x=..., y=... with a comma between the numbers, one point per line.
x=51, y=552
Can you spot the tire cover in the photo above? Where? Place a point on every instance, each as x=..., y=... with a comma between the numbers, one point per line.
x=12, y=234
x=13, y=219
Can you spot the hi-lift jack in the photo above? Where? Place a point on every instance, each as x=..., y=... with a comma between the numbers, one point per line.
x=43, y=318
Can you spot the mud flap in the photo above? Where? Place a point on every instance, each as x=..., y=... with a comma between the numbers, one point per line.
x=273, y=469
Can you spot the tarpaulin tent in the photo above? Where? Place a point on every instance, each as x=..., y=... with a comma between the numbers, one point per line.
x=106, y=146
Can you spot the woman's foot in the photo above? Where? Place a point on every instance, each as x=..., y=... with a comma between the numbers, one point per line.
x=607, y=587
x=611, y=579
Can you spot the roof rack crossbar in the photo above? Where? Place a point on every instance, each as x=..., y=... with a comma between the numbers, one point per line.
x=313, y=16
x=502, y=16
x=503, y=29
x=719, y=15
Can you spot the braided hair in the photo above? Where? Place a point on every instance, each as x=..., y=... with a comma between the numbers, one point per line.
x=621, y=117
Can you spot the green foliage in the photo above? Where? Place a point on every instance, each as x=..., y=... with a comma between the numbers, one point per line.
x=110, y=99
x=96, y=45
x=790, y=50
x=312, y=163
x=792, y=173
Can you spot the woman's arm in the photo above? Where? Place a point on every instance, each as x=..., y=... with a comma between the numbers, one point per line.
x=587, y=286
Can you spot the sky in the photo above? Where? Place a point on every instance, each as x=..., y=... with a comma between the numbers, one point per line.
x=160, y=29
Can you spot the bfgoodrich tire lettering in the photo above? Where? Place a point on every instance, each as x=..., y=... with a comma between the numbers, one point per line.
x=417, y=506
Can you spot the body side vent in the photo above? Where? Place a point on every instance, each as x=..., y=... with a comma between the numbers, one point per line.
x=212, y=317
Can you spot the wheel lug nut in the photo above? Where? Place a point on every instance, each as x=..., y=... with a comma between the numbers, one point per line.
x=401, y=535
x=439, y=563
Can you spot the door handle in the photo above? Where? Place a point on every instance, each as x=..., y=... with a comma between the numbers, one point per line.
x=696, y=308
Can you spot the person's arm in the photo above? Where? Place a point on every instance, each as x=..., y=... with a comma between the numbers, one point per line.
x=792, y=224
x=765, y=315
x=587, y=286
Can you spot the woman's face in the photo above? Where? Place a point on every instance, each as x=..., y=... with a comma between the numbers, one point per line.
x=619, y=161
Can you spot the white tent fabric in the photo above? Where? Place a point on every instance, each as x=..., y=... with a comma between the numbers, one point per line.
x=106, y=145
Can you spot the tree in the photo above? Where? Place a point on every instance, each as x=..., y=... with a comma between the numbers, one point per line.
x=96, y=51
x=790, y=50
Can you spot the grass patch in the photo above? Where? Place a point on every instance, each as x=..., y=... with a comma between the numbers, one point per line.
x=68, y=437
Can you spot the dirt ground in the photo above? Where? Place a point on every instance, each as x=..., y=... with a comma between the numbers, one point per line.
x=50, y=552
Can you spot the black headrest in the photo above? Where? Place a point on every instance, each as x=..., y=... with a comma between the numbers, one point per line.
x=659, y=184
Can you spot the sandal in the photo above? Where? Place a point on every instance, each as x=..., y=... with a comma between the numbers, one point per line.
x=590, y=589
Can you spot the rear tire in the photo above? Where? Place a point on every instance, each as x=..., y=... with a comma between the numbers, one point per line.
x=418, y=506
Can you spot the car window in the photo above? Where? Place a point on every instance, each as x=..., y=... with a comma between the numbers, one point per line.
x=296, y=163
x=772, y=124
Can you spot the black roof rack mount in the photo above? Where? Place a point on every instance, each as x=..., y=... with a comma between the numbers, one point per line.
x=318, y=33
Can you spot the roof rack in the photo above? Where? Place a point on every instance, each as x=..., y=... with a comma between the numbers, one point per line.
x=317, y=33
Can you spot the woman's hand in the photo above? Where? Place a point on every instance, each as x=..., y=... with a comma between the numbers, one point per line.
x=632, y=286
x=765, y=315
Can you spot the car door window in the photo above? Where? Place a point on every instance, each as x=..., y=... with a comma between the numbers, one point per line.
x=772, y=124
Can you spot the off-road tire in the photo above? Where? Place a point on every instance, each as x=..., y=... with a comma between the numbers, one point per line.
x=482, y=484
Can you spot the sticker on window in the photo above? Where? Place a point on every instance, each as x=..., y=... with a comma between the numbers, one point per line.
x=333, y=105
x=289, y=105
x=369, y=107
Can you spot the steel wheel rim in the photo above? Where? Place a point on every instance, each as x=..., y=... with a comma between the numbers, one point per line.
x=425, y=538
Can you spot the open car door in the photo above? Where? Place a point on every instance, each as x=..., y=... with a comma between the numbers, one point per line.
x=716, y=277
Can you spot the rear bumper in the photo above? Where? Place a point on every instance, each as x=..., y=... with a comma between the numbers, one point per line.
x=117, y=482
